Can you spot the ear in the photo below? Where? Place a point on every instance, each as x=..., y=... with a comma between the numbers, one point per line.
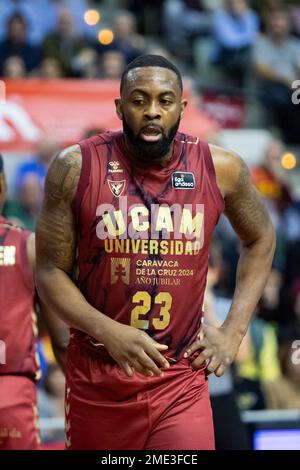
x=183, y=105
x=119, y=111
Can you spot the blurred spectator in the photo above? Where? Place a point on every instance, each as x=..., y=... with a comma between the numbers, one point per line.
x=257, y=365
x=78, y=8
x=269, y=304
x=185, y=20
x=225, y=410
x=285, y=393
x=267, y=177
x=16, y=44
x=50, y=69
x=85, y=63
x=14, y=67
x=112, y=64
x=65, y=43
x=277, y=64
x=51, y=401
x=126, y=39
x=148, y=14
x=291, y=329
x=47, y=147
x=235, y=30
x=156, y=49
x=265, y=8
x=39, y=15
x=24, y=210
x=295, y=19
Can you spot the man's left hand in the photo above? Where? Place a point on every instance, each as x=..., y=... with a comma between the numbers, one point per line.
x=218, y=346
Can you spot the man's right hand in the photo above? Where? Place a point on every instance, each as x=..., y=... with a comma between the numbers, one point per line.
x=134, y=350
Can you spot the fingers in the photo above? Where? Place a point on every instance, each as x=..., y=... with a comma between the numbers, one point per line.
x=198, y=344
x=160, y=347
x=203, y=356
x=159, y=359
x=127, y=368
x=148, y=364
x=220, y=370
x=142, y=370
x=223, y=367
x=202, y=330
x=213, y=365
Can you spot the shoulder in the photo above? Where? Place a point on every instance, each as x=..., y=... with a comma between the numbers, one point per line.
x=64, y=172
x=231, y=170
x=70, y=155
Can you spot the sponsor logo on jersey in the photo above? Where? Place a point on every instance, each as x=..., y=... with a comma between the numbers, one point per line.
x=7, y=255
x=116, y=187
x=183, y=180
x=120, y=268
x=114, y=167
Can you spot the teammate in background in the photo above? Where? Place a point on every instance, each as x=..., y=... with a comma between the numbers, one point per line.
x=122, y=253
x=19, y=366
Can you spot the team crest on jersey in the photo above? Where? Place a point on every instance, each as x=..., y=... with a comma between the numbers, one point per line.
x=116, y=187
x=114, y=167
x=183, y=180
x=120, y=269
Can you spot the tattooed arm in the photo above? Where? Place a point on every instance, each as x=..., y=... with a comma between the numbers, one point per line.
x=251, y=222
x=132, y=349
x=55, y=244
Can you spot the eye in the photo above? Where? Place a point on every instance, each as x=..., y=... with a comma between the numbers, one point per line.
x=166, y=102
x=138, y=102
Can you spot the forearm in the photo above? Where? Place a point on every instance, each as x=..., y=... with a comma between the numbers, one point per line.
x=252, y=273
x=61, y=295
x=58, y=332
x=60, y=355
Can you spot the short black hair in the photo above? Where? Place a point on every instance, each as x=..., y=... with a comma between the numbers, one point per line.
x=1, y=164
x=150, y=60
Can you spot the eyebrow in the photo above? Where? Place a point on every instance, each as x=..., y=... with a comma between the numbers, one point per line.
x=144, y=92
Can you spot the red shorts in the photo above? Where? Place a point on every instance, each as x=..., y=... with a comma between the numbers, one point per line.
x=107, y=410
x=18, y=414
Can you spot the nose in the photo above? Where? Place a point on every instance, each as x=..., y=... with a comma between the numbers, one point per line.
x=152, y=111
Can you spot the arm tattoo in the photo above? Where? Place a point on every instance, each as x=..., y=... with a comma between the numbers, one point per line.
x=55, y=233
x=245, y=209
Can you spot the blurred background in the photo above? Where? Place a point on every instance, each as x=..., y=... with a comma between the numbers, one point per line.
x=61, y=60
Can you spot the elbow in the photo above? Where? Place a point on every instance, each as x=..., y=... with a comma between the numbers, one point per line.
x=271, y=238
x=43, y=280
x=267, y=243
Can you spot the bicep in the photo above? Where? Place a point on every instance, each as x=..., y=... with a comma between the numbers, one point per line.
x=244, y=207
x=55, y=234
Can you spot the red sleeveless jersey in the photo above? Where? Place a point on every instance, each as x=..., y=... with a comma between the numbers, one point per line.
x=144, y=235
x=18, y=328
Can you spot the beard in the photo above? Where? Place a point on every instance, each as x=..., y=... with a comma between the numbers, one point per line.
x=150, y=152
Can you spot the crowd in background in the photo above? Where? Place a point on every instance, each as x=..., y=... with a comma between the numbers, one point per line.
x=247, y=46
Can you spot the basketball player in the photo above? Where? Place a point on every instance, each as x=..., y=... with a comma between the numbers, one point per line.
x=122, y=254
x=19, y=367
